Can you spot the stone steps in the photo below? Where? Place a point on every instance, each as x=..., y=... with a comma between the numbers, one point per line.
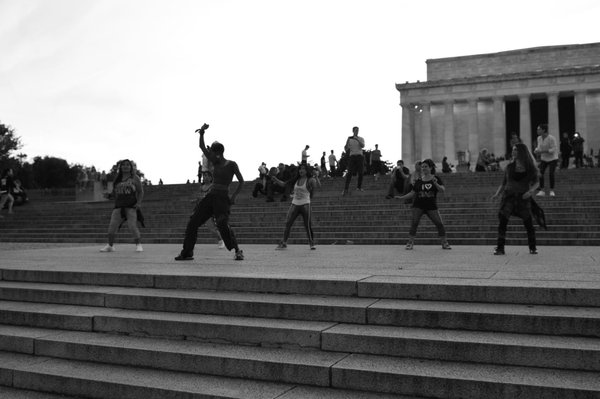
x=331, y=368
x=135, y=334
x=13, y=393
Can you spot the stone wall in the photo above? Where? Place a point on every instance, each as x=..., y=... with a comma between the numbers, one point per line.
x=515, y=61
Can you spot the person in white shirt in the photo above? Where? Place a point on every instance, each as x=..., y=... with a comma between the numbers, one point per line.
x=305, y=154
x=547, y=150
x=354, y=146
x=332, y=164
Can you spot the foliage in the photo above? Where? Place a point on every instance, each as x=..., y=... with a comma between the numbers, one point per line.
x=9, y=142
x=51, y=172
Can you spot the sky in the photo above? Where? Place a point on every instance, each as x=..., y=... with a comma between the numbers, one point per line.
x=96, y=81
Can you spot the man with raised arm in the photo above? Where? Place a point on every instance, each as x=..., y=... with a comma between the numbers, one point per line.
x=216, y=203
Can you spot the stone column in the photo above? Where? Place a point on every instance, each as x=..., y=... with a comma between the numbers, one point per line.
x=553, y=126
x=581, y=113
x=499, y=127
x=426, y=131
x=525, y=120
x=408, y=142
x=473, y=121
x=449, y=149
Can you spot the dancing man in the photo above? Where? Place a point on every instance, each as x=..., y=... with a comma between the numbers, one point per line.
x=216, y=203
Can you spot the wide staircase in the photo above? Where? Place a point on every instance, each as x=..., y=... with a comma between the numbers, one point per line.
x=137, y=334
x=573, y=216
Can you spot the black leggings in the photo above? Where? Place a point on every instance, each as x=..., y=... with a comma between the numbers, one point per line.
x=292, y=214
x=528, y=223
x=434, y=216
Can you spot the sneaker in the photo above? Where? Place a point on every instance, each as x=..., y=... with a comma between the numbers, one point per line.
x=108, y=248
x=359, y=189
x=446, y=245
x=281, y=245
x=138, y=248
x=184, y=257
x=312, y=247
x=499, y=251
x=533, y=251
x=344, y=193
x=409, y=245
x=552, y=193
x=239, y=255
x=221, y=244
x=541, y=194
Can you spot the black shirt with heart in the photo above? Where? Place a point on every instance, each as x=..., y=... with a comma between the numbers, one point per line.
x=426, y=194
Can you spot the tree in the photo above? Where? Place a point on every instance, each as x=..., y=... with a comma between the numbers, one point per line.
x=50, y=172
x=9, y=142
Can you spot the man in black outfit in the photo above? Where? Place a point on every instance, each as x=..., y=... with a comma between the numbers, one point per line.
x=216, y=203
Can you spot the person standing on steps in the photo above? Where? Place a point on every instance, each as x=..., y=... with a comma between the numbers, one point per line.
x=521, y=179
x=354, y=147
x=304, y=186
x=333, y=162
x=375, y=162
x=128, y=193
x=424, y=191
x=216, y=203
x=547, y=149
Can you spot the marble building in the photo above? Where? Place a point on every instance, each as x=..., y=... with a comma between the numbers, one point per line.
x=476, y=101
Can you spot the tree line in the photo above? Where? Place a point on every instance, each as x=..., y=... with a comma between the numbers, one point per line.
x=46, y=172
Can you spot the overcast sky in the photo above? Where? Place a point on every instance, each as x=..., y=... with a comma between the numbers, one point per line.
x=95, y=81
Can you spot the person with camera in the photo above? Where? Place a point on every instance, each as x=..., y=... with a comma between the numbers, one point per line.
x=216, y=203
x=577, y=143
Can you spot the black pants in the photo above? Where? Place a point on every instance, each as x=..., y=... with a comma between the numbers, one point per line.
x=543, y=166
x=273, y=188
x=578, y=158
x=355, y=165
x=502, y=227
x=216, y=204
x=564, y=163
x=292, y=214
x=434, y=216
x=398, y=185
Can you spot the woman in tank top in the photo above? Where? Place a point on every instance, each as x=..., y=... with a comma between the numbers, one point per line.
x=128, y=193
x=304, y=186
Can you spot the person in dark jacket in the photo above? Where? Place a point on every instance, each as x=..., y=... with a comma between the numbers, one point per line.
x=521, y=180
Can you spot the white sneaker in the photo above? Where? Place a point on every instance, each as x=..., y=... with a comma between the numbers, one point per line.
x=552, y=194
x=139, y=248
x=541, y=194
x=108, y=248
x=221, y=244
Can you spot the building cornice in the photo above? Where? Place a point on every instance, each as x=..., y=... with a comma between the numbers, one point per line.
x=553, y=73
